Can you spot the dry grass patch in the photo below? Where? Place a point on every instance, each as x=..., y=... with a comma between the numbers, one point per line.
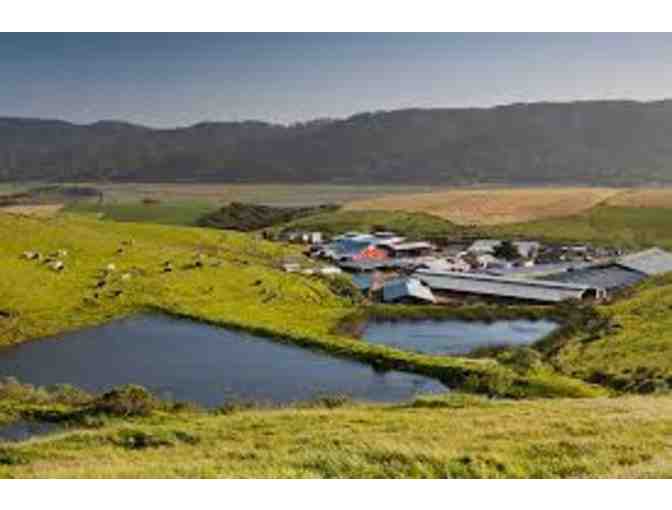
x=494, y=206
x=36, y=211
x=644, y=197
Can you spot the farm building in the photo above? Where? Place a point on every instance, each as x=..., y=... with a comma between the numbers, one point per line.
x=649, y=262
x=610, y=277
x=460, y=284
x=621, y=273
x=407, y=290
x=437, y=265
x=538, y=270
x=362, y=247
x=407, y=250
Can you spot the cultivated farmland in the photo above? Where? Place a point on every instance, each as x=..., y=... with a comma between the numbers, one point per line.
x=494, y=206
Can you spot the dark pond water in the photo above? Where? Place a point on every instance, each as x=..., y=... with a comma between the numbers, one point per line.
x=186, y=360
x=22, y=430
x=454, y=336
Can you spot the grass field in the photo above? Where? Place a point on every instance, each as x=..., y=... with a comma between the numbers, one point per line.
x=631, y=227
x=657, y=198
x=174, y=212
x=493, y=206
x=185, y=204
x=456, y=436
x=40, y=211
x=269, y=194
x=413, y=225
x=637, y=354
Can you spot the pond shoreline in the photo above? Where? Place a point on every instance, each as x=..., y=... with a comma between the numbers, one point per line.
x=484, y=375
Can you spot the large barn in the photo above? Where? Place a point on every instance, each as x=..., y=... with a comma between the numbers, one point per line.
x=506, y=289
x=621, y=273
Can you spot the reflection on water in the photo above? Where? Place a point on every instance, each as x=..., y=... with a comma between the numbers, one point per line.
x=454, y=336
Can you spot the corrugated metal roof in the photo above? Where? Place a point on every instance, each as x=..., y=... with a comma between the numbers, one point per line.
x=531, y=290
x=538, y=270
x=404, y=288
x=650, y=262
x=609, y=277
x=410, y=246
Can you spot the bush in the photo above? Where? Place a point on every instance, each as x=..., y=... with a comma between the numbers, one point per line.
x=139, y=440
x=130, y=400
x=11, y=457
x=521, y=359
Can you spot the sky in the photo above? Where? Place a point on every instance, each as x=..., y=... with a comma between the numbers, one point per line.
x=166, y=80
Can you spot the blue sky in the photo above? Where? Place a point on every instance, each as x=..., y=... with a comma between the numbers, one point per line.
x=167, y=80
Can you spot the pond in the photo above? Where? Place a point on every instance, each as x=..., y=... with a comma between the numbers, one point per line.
x=191, y=361
x=455, y=337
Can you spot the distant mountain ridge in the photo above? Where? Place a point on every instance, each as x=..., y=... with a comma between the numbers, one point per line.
x=586, y=142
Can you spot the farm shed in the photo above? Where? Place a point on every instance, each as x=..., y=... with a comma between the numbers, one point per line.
x=538, y=270
x=438, y=265
x=356, y=248
x=610, y=277
x=417, y=249
x=649, y=262
x=507, y=288
x=407, y=290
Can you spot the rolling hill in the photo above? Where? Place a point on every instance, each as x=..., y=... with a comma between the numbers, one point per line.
x=590, y=142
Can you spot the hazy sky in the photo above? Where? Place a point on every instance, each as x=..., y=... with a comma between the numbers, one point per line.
x=179, y=79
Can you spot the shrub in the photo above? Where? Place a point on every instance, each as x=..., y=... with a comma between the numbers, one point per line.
x=139, y=440
x=521, y=359
x=11, y=457
x=130, y=400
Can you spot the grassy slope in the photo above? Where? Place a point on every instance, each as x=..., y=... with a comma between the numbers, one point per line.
x=626, y=226
x=177, y=212
x=239, y=286
x=415, y=225
x=449, y=437
x=640, y=347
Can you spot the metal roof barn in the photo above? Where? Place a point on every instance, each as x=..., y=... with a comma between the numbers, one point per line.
x=649, y=262
x=526, y=290
x=610, y=277
x=407, y=289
